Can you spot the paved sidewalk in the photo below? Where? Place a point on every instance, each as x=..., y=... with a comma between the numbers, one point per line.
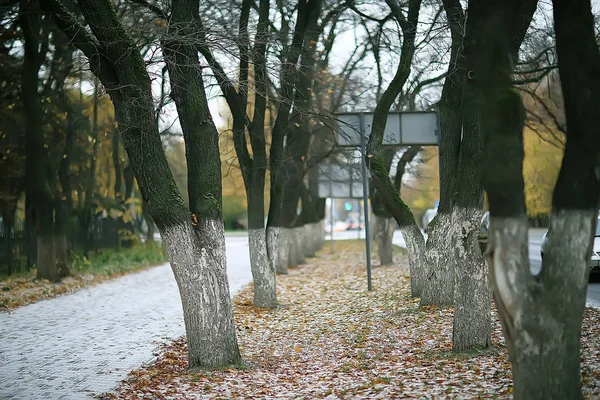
x=76, y=345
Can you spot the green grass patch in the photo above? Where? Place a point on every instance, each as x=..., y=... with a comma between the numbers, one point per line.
x=111, y=262
x=107, y=262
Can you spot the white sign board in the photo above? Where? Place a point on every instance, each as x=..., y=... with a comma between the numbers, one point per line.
x=402, y=128
x=340, y=181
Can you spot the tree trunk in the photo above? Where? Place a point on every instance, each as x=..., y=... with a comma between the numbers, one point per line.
x=320, y=228
x=542, y=330
x=194, y=239
x=390, y=195
x=440, y=281
x=472, y=301
x=283, y=249
x=383, y=221
x=87, y=213
x=61, y=248
x=60, y=242
x=209, y=347
x=65, y=205
x=38, y=188
x=273, y=251
x=383, y=233
x=116, y=158
x=263, y=271
x=8, y=221
x=300, y=240
x=46, y=258
x=438, y=286
x=201, y=275
x=472, y=321
x=415, y=244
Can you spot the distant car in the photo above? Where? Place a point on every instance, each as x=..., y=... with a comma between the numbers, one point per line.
x=594, y=260
x=338, y=226
x=352, y=225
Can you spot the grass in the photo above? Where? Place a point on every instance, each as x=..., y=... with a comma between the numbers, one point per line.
x=111, y=262
x=108, y=262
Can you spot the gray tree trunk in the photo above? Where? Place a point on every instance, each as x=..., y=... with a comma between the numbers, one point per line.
x=542, y=329
x=472, y=299
x=541, y=315
x=283, y=248
x=383, y=233
x=201, y=275
x=263, y=271
x=321, y=234
x=297, y=247
x=294, y=248
x=308, y=240
x=438, y=286
x=61, y=248
x=273, y=238
x=39, y=194
x=193, y=238
x=46, y=258
x=415, y=244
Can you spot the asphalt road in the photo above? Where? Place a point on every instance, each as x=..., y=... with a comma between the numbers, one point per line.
x=535, y=259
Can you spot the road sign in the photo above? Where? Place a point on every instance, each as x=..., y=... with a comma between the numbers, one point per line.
x=340, y=180
x=402, y=128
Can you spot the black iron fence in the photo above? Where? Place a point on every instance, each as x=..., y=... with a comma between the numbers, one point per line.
x=18, y=246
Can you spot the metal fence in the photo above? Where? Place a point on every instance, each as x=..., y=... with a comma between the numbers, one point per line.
x=19, y=245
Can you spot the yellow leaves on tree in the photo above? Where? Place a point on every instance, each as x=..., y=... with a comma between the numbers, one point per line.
x=541, y=165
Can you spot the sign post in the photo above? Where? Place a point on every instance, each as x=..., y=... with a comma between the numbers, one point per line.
x=344, y=180
x=363, y=151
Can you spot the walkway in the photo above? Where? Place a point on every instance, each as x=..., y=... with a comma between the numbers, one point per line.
x=76, y=345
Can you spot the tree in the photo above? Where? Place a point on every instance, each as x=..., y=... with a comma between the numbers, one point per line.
x=40, y=199
x=375, y=161
x=252, y=163
x=286, y=162
x=193, y=237
x=541, y=315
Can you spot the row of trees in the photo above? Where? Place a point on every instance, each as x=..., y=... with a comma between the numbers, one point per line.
x=482, y=119
x=274, y=64
x=72, y=165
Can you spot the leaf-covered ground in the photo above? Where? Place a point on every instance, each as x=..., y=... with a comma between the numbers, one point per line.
x=333, y=339
x=18, y=292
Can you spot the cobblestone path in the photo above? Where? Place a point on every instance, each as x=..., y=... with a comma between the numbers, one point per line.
x=85, y=343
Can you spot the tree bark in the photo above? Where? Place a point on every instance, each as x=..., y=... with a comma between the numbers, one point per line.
x=204, y=185
x=36, y=165
x=8, y=221
x=439, y=282
x=87, y=214
x=383, y=233
x=65, y=205
x=542, y=330
x=383, y=226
